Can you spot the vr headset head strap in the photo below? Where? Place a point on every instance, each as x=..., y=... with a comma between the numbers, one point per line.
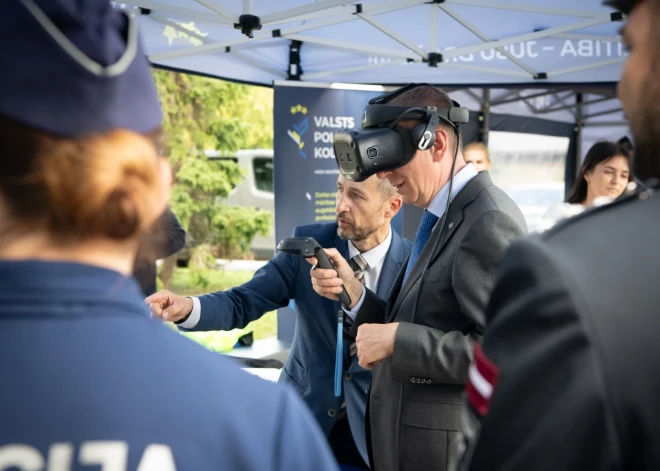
x=380, y=100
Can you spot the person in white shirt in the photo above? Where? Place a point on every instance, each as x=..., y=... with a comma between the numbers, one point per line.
x=476, y=153
x=603, y=177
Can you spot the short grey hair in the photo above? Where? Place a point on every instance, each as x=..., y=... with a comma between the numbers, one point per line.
x=428, y=95
x=385, y=187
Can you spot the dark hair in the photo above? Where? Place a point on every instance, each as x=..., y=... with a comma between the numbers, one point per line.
x=600, y=152
x=427, y=95
x=626, y=144
x=102, y=185
x=624, y=6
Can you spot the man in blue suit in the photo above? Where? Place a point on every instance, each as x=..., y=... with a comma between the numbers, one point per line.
x=364, y=211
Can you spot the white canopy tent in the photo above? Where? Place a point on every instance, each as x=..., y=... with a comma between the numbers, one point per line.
x=556, y=59
x=450, y=42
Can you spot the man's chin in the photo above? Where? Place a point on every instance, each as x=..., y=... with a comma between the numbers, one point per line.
x=351, y=235
x=343, y=233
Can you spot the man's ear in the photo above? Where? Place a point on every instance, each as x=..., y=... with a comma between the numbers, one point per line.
x=393, y=206
x=440, y=144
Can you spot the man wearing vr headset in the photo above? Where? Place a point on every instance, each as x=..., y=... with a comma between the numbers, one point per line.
x=566, y=377
x=420, y=341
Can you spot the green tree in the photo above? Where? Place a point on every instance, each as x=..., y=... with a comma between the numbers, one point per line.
x=200, y=114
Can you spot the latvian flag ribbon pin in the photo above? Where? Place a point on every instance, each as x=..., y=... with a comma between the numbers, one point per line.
x=482, y=379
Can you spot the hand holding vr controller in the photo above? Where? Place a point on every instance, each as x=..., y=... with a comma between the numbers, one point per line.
x=332, y=276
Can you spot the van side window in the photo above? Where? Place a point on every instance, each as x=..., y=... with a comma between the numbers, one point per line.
x=263, y=173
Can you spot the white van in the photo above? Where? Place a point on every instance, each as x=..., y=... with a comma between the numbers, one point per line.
x=256, y=190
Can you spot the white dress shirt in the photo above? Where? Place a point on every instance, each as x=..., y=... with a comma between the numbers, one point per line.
x=374, y=258
x=437, y=207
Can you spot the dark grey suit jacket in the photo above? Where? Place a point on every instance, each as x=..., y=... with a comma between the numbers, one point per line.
x=416, y=395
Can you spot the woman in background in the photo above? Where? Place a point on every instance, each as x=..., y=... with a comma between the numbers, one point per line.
x=603, y=177
x=87, y=378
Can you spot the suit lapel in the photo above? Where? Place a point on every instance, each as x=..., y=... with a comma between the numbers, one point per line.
x=342, y=246
x=391, y=266
x=454, y=220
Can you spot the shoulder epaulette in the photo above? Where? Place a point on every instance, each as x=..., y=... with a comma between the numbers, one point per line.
x=633, y=192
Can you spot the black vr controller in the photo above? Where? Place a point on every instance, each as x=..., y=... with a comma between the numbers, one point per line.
x=307, y=247
x=382, y=145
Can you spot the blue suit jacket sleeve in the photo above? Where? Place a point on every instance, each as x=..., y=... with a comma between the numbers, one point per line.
x=271, y=287
x=300, y=442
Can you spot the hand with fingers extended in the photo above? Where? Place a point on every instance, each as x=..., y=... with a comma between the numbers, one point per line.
x=328, y=283
x=169, y=306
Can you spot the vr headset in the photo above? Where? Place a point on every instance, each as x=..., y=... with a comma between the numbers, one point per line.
x=381, y=144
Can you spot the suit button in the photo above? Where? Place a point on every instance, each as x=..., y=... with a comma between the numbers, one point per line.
x=412, y=380
x=347, y=376
x=332, y=412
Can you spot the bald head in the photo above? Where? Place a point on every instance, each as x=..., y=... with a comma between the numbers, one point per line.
x=427, y=96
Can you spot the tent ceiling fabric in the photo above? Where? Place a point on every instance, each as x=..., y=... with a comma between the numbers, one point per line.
x=599, y=107
x=453, y=42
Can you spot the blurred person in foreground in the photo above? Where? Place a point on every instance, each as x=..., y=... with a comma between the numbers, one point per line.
x=603, y=177
x=80, y=182
x=166, y=237
x=566, y=377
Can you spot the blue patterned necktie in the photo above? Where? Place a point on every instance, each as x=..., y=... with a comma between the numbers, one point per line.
x=423, y=233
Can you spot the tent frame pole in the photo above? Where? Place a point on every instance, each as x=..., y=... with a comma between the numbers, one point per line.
x=485, y=113
x=579, y=123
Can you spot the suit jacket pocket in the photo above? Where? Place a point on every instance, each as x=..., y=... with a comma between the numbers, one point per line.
x=431, y=415
x=296, y=373
x=429, y=434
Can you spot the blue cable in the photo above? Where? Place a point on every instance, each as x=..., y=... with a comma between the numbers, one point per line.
x=339, y=357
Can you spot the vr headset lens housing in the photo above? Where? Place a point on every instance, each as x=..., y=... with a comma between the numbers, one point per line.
x=382, y=145
x=362, y=153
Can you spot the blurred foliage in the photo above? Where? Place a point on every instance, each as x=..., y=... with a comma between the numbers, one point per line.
x=209, y=114
x=185, y=283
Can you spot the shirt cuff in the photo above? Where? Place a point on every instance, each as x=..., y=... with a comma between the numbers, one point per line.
x=352, y=313
x=195, y=314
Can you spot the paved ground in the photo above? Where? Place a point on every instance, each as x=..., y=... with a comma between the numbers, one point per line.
x=240, y=265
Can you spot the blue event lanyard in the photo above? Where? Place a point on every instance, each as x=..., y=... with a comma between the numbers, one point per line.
x=339, y=357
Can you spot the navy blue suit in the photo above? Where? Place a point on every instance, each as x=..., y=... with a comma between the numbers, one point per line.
x=87, y=377
x=309, y=367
